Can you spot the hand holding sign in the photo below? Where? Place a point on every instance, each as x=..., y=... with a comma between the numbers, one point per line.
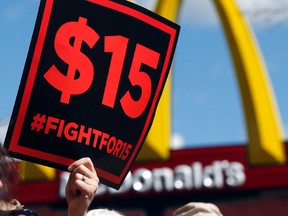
x=91, y=88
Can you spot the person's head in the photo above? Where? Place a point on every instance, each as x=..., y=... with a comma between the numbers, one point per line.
x=8, y=174
x=198, y=209
x=103, y=212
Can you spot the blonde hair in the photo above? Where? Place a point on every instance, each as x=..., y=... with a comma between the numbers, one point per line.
x=198, y=209
x=103, y=212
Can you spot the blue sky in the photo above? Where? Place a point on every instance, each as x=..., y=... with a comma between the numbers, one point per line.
x=206, y=107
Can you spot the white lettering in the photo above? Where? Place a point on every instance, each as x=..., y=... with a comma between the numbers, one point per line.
x=182, y=177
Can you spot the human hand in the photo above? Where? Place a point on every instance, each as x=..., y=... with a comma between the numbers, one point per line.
x=81, y=186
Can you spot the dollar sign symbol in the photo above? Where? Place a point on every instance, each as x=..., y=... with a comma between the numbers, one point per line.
x=73, y=83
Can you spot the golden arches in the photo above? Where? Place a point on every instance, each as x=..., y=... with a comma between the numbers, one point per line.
x=263, y=124
x=157, y=144
x=265, y=139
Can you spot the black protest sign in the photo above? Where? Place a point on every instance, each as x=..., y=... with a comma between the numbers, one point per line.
x=92, y=80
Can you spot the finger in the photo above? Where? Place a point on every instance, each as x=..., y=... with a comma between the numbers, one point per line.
x=87, y=186
x=87, y=172
x=77, y=174
x=93, y=180
x=85, y=161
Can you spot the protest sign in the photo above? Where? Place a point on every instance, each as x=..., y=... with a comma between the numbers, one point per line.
x=92, y=80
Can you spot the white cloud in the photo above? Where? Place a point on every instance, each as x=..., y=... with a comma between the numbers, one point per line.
x=177, y=141
x=3, y=129
x=265, y=12
x=260, y=12
x=198, y=12
x=149, y=4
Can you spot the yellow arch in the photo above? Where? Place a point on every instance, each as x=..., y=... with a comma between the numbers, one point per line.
x=29, y=171
x=157, y=143
x=263, y=124
x=265, y=137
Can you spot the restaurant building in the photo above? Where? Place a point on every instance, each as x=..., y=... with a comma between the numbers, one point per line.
x=221, y=175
